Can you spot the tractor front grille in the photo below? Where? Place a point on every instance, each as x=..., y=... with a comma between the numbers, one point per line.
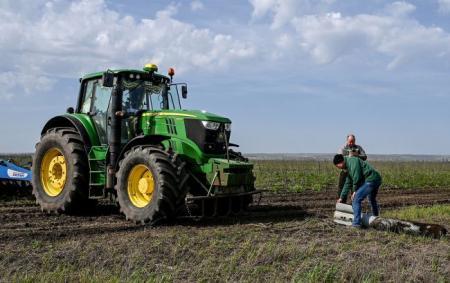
x=210, y=141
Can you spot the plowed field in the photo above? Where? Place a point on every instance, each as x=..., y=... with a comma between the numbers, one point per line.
x=284, y=236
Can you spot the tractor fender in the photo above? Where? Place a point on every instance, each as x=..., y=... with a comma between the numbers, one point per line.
x=140, y=140
x=66, y=121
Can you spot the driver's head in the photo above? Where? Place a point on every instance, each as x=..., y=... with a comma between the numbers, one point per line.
x=351, y=140
x=136, y=98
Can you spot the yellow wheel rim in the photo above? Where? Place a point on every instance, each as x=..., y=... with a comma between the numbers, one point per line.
x=53, y=172
x=140, y=185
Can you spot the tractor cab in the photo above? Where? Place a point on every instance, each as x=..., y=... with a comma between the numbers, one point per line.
x=140, y=92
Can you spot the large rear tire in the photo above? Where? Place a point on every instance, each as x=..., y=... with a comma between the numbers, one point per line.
x=151, y=185
x=60, y=171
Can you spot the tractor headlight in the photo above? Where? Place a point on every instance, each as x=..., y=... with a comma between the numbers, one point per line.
x=211, y=125
x=227, y=127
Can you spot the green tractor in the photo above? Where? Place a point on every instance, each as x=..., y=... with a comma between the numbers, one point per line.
x=130, y=140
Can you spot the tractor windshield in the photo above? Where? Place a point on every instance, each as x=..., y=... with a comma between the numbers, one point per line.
x=146, y=95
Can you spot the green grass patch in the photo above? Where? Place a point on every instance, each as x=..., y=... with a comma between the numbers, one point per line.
x=300, y=175
x=439, y=214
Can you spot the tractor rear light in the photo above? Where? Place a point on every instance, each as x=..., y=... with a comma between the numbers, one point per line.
x=211, y=125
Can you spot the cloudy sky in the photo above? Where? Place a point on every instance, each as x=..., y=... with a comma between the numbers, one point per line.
x=293, y=75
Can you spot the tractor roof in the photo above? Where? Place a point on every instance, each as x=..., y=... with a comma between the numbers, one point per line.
x=118, y=71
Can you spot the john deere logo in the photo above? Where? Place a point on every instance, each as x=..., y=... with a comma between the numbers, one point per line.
x=16, y=174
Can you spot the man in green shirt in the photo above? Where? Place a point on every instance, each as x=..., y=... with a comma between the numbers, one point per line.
x=363, y=179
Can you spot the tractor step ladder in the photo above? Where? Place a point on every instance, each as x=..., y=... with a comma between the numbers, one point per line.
x=97, y=171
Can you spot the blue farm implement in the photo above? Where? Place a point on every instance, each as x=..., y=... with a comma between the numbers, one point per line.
x=13, y=176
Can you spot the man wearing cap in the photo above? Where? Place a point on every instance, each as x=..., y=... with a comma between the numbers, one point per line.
x=349, y=149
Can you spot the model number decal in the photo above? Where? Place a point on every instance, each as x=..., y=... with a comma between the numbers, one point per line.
x=16, y=174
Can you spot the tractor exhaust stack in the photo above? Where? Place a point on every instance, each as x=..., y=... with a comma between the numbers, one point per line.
x=114, y=142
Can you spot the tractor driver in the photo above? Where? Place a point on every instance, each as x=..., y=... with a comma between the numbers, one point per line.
x=133, y=102
x=349, y=149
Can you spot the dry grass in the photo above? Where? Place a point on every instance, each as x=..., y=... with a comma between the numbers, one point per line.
x=278, y=247
x=306, y=249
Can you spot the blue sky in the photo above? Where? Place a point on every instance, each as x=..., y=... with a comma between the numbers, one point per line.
x=294, y=76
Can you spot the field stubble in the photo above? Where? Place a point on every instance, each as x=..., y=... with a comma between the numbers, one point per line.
x=286, y=237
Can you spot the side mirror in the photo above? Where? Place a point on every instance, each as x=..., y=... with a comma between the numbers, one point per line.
x=108, y=79
x=184, y=91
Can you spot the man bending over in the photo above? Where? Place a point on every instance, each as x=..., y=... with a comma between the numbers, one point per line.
x=364, y=180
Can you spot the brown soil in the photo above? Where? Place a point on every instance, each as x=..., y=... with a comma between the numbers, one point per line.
x=23, y=218
x=324, y=202
x=28, y=237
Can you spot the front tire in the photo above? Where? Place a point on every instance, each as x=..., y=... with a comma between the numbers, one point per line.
x=150, y=185
x=59, y=171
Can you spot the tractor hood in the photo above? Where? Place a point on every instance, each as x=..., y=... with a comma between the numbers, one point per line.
x=190, y=114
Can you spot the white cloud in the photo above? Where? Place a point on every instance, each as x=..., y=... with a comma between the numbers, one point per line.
x=402, y=39
x=15, y=83
x=61, y=38
x=68, y=39
x=444, y=6
x=285, y=41
x=283, y=11
x=197, y=5
x=262, y=7
x=400, y=8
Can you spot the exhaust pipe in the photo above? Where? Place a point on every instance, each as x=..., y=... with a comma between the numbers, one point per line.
x=344, y=216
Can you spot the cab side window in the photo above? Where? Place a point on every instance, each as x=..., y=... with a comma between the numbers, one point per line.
x=87, y=97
